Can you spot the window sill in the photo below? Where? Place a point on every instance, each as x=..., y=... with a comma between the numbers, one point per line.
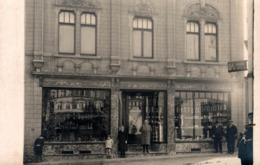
x=143, y=60
x=205, y=62
x=78, y=56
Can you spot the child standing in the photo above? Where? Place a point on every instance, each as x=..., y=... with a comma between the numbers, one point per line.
x=109, y=144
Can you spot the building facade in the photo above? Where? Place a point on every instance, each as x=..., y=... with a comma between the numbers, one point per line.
x=93, y=65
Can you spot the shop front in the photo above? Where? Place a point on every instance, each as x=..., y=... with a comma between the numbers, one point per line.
x=77, y=115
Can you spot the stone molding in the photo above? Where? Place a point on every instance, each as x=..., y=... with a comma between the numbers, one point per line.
x=196, y=12
x=75, y=83
x=91, y=4
x=203, y=86
x=142, y=8
x=143, y=85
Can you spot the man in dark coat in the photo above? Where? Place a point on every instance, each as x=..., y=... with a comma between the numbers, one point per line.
x=146, y=135
x=242, y=154
x=231, y=137
x=122, y=141
x=249, y=143
x=38, y=146
x=217, y=134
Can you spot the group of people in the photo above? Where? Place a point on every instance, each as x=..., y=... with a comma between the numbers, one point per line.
x=244, y=142
x=123, y=137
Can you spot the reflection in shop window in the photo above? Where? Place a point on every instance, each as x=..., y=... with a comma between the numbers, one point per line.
x=75, y=115
x=196, y=113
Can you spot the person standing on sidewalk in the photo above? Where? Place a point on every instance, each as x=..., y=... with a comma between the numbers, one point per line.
x=109, y=144
x=146, y=135
x=231, y=137
x=217, y=134
x=122, y=141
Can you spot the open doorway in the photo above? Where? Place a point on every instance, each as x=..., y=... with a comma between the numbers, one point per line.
x=141, y=105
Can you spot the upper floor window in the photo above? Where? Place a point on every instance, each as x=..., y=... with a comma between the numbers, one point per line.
x=210, y=42
x=66, y=32
x=192, y=34
x=143, y=37
x=88, y=34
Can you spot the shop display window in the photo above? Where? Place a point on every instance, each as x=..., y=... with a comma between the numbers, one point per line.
x=75, y=114
x=196, y=113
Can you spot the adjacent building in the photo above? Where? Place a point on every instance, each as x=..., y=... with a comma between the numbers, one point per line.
x=93, y=65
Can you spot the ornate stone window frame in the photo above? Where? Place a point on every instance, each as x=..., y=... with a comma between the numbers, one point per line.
x=78, y=7
x=144, y=9
x=203, y=14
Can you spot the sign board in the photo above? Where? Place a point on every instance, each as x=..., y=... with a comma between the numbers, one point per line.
x=236, y=66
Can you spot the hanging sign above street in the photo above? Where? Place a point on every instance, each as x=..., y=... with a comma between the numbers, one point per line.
x=236, y=66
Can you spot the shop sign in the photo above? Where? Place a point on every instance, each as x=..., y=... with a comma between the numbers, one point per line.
x=236, y=66
x=72, y=83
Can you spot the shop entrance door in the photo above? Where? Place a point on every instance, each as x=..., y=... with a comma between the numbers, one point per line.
x=139, y=106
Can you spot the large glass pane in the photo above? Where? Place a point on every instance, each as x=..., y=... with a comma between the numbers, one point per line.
x=75, y=118
x=210, y=48
x=192, y=46
x=88, y=40
x=147, y=42
x=66, y=39
x=137, y=43
x=203, y=114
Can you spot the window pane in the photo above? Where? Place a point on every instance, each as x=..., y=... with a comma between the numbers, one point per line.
x=83, y=19
x=214, y=29
x=210, y=48
x=192, y=47
x=75, y=118
x=147, y=44
x=71, y=18
x=61, y=17
x=145, y=23
x=88, y=40
x=137, y=43
x=187, y=119
x=93, y=19
x=67, y=17
x=140, y=23
x=66, y=39
x=88, y=18
x=196, y=27
x=192, y=27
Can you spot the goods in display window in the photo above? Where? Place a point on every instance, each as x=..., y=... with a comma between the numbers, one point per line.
x=196, y=113
x=75, y=114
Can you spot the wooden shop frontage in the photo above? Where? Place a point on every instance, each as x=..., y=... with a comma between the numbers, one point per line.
x=79, y=113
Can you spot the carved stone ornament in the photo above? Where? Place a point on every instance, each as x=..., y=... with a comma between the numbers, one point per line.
x=143, y=85
x=94, y=4
x=73, y=83
x=142, y=7
x=196, y=12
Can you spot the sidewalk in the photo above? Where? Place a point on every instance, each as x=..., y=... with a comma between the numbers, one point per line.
x=213, y=159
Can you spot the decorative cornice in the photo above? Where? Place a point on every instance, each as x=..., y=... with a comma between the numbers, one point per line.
x=142, y=8
x=196, y=12
x=90, y=4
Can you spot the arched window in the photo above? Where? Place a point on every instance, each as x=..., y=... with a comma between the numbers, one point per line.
x=143, y=37
x=210, y=42
x=88, y=34
x=66, y=32
x=192, y=34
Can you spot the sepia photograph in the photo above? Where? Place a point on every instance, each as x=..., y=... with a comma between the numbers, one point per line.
x=129, y=82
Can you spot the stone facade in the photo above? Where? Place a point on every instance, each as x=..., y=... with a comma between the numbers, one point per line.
x=114, y=67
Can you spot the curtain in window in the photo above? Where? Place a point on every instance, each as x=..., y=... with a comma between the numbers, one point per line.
x=88, y=40
x=210, y=48
x=66, y=39
x=192, y=46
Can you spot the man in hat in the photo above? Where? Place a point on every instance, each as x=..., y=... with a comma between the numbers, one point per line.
x=231, y=137
x=217, y=134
